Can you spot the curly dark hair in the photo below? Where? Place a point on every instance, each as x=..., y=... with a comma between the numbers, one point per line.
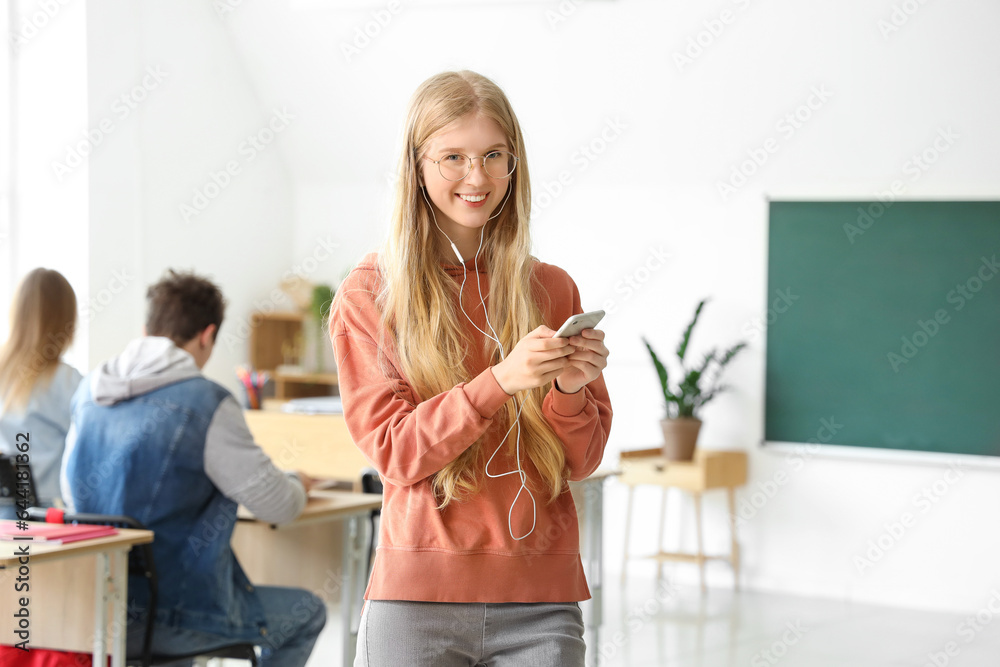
x=181, y=305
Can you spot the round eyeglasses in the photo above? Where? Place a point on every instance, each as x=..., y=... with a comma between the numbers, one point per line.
x=455, y=166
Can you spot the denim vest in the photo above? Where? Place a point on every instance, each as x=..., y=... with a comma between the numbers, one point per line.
x=144, y=457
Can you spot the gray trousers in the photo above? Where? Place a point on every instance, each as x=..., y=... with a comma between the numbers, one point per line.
x=448, y=634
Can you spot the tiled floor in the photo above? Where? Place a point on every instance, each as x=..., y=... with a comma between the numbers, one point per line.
x=650, y=625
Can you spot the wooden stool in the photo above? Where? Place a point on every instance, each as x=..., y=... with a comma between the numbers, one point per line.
x=710, y=469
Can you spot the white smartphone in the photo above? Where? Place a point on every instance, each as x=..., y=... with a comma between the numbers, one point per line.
x=577, y=323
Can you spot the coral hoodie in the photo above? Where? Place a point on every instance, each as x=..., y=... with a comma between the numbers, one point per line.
x=464, y=552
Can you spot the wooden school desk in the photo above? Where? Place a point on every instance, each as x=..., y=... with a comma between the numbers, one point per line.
x=71, y=588
x=318, y=445
x=710, y=469
x=322, y=447
x=304, y=553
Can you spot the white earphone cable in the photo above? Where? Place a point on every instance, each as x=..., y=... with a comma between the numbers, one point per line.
x=517, y=449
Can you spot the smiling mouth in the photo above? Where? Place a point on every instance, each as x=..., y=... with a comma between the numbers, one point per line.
x=472, y=199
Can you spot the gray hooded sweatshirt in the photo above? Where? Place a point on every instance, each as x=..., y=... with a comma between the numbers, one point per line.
x=232, y=458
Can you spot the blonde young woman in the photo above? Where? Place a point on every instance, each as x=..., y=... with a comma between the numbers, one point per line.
x=35, y=384
x=474, y=415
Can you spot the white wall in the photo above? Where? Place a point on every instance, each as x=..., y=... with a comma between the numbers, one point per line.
x=676, y=132
x=179, y=184
x=48, y=208
x=121, y=113
x=7, y=274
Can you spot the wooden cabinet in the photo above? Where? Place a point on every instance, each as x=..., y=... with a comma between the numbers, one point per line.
x=269, y=334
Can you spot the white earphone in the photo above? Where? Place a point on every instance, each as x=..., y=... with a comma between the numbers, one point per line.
x=495, y=338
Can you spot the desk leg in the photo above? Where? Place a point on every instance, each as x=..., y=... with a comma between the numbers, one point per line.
x=362, y=528
x=119, y=604
x=352, y=583
x=595, y=556
x=628, y=523
x=347, y=589
x=101, y=608
x=697, y=532
x=112, y=580
x=592, y=556
x=659, y=540
x=734, y=546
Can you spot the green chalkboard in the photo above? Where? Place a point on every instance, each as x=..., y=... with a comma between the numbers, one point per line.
x=884, y=325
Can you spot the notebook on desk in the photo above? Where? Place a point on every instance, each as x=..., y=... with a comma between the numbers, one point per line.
x=53, y=533
x=319, y=405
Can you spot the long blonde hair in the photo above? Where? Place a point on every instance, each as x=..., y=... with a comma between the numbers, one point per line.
x=417, y=297
x=42, y=326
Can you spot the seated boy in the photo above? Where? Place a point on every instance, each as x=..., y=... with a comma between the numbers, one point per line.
x=153, y=439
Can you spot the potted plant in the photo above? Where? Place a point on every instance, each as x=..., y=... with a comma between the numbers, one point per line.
x=322, y=299
x=681, y=423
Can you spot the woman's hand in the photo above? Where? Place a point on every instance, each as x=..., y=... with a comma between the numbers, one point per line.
x=536, y=359
x=589, y=358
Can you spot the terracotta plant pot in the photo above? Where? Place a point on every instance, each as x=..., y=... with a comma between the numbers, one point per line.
x=680, y=436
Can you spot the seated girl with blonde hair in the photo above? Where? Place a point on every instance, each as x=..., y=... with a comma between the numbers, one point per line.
x=35, y=384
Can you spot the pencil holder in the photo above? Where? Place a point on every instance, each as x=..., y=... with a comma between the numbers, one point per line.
x=252, y=383
x=249, y=400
